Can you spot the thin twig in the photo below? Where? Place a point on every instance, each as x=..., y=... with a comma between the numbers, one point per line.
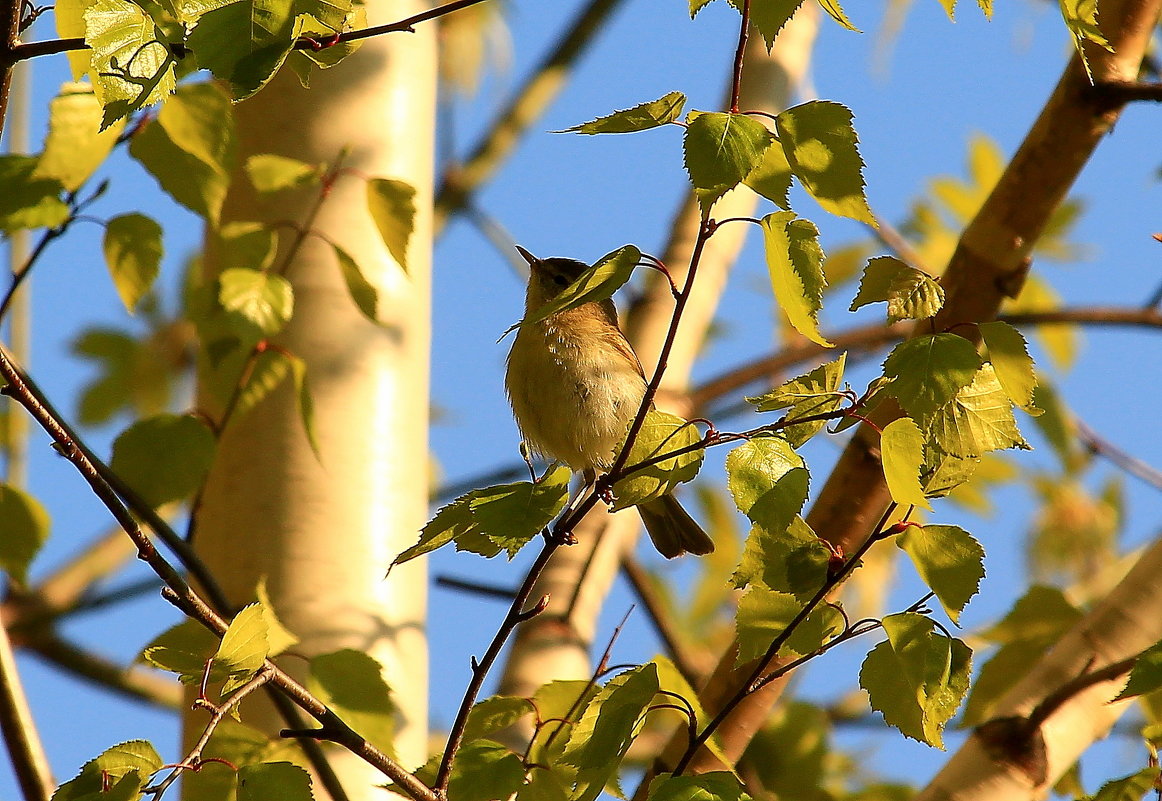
x=517, y=614
x=193, y=759
x=1106, y=449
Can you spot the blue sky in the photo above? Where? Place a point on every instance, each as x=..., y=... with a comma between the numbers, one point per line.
x=583, y=196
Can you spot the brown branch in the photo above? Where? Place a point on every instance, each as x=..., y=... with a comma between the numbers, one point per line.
x=20, y=52
x=1106, y=449
x=29, y=762
x=1122, y=92
x=179, y=592
x=461, y=180
x=10, y=11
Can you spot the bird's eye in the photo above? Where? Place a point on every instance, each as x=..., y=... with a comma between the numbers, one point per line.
x=560, y=280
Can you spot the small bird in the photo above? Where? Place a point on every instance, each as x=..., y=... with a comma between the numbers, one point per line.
x=575, y=385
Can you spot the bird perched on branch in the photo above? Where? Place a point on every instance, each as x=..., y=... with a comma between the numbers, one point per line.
x=575, y=385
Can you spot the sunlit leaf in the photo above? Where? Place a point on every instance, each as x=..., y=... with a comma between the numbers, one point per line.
x=131, y=64
x=641, y=117
x=835, y=11
x=28, y=201
x=950, y=561
x=267, y=780
x=393, y=209
x=660, y=433
x=1009, y=356
x=606, y=276
x=270, y=172
x=917, y=677
x=244, y=647
x=768, y=481
x=795, y=263
x=902, y=452
x=720, y=151
x=810, y=395
x=978, y=419
x=117, y=774
x=24, y=527
x=821, y=147
x=715, y=786
x=794, y=560
x=764, y=614
x=909, y=293
x=164, y=458
x=133, y=254
x=75, y=146
x=495, y=713
x=771, y=177
x=362, y=291
x=928, y=371
x=512, y=514
x=1146, y=676
x=189, y=148
x=260, y=303
x=351, y=683
x=183, y=649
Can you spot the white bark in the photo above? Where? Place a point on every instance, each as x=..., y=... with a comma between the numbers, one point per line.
x=323, y=530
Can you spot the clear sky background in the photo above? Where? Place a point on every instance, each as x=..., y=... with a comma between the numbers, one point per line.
x=915, y=110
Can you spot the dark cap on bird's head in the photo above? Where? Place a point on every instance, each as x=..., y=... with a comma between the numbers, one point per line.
x=554, y=273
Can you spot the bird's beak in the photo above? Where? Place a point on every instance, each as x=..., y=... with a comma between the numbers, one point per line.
x=530, y=258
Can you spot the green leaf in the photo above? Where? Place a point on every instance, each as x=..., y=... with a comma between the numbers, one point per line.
x=304, y=401
x=183, y=649
x=978, y=419
x=269, y=370
x=132, y=762
x=450, y=522
x=131, y=64
x=764, y=614
x=793, y=561
x=76, y=146
x=949, y=561
x=809, y=395
x=561, y=703
x=821, y=147
x=133, y=253
x=495, y=713
x=221, y=41
x=351, y=683
x=902, y=452
x=1081, y=18
x=606, y=276
x=917, y=677
x=244, y=647
x=393, y=209
x=164, y=458
x=795, y=263
x=362, y=291
x=484, y=771
x=267, y=780
x=246, y=245
x=768, y=481
x=714, y=786
x=1134, y=787
x=660, y=433
x=834, y=10
x=909, y=293
x=278, y=636
x=929, y=371
x=23, y=529
x=1009, y=355
x=259, y=303
x=28, y=201
x=771, y=177
x=769, y=17
x=641, y=117
x=69, y=16
x=189, y=148
x=720, y=150
x=512, y=514
x=273, y=173
x=1146, y=676
x=601, y=738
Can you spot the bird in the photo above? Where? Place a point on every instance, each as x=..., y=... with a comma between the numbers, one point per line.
x=575, y=385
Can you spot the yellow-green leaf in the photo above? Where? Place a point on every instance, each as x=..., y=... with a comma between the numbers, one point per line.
x=1009, y=356
x=720, y=150
x=929, y=371
x=392, y=207
x=164, y=458
x=273, y=173
x=902, y=450
x=795, y=263
x=949, y=560
x=23, y=529
x=362, y=291
x=978, y=419
x=133, y=254
x=660, y=433
x=821, y=147
x=75, y=146
x=641, y=117
x=244, y=647
x=606, y=276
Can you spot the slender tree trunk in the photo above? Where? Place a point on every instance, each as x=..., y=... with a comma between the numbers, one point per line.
x=323, y=529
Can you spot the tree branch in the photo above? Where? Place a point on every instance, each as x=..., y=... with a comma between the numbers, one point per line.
x=179, y=592
x=29, y=762
x=461, y=180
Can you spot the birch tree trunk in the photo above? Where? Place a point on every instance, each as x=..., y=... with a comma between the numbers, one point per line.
x=323, y=529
